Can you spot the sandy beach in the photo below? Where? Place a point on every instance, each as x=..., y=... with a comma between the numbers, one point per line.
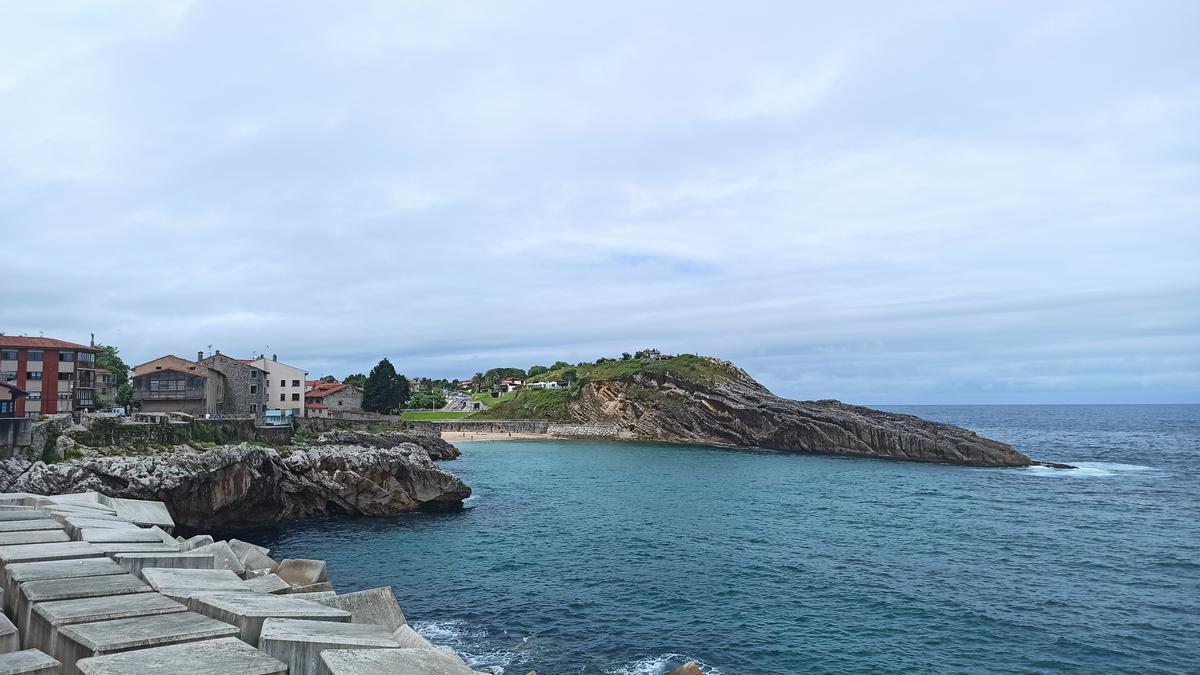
x=463, y=436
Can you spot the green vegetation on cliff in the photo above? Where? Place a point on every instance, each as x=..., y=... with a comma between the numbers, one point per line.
x=551, y=404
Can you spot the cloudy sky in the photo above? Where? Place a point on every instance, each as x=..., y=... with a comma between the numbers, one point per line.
x=919, y=202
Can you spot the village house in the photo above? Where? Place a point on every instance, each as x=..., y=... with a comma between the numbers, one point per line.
x=545, y=385
x=285, y=384
x=57, y=376
x=332, y=399
x=512, y=384
x=217, y=385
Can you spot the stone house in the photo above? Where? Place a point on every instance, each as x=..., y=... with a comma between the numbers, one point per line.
x=218, y=385
x=244, y=386
x=332, y=399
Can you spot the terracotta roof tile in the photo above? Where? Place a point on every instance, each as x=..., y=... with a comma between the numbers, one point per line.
x=40, y=343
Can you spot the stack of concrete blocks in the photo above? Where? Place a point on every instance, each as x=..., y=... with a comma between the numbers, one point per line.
x=98, y=585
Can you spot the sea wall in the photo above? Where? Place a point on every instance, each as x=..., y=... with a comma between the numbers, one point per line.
x=526, y=427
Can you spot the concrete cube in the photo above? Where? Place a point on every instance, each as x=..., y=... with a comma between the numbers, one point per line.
x=21, y=514
x=31, y=524
x=48, y=617
x=141, y=512
x=405, y=636
x=16, y=573
x=322, y=587
x=27, y=662
x=299, y=642
x=398, y=661
x=134, y=563
x=33, y=537
x=10, y=639
x=268, y=583
x=120, y=535
x=223, y=556
x=196, y=542
x=114, y=547
x=82, y=640
x=301, y=572
x=375, y=606
x=248, y=611
x=37, y=552
x=180, y=584
x=33, y=592
x=252, y=557
x=223, y=656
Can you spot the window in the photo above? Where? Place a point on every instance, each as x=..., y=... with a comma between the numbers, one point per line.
x=8, y=355
x=339, y=402
x=253, y=407
x=66, y=357
x=64, y=377
x=254, y=389
x=6, y=407
x=283, y=383
x=34, y=396
x=8, y=375
x=84, y=357
x=31, y=414
x=35, y=356
x=64, y=397
x=283, y=397
x=254, y=374
x=33, y=375
x=295, y=383
x=295, y=397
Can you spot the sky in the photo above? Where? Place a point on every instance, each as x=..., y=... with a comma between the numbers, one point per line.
x=884, y=203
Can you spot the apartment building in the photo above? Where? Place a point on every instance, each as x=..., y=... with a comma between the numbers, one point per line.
x=285, y=384
x=56, y=375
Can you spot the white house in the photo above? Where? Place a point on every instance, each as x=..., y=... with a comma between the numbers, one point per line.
x=544, y=385
x=285, y=384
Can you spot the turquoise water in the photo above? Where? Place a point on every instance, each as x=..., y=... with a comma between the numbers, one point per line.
x=583, y=557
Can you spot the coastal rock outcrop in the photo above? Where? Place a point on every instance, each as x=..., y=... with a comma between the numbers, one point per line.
x=249, y=483
x=737, y=411
x=434, y=446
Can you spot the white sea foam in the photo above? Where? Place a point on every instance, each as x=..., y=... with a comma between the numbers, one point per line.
x=657, y=665
x=1088, y=470
x=469, y=642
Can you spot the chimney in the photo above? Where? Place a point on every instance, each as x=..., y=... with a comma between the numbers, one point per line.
x=93, y=340
x=274, y=357
x=218, y=351
x=199, y=356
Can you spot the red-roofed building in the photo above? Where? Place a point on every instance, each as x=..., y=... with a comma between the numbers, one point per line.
x=332, y=399
x=57, y=376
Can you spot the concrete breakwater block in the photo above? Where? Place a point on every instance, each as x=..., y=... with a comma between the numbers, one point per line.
x=299, y=642
x=48, y=617
x=195, y=542
x=31, y=524
x=120, y=535
x=398, y=661
x=268, y=583
x=314, y=595
x=14, y=498
x=33, y=537
x=10, y=640
x=180, y=584
x=82, y=640
x=224, y=656
x=252, y=557
x=223, y=555
x=134, y=563
x=141, y=512
x=376, y=606
x=27, y=662
x=302, y=572
x=16, y=573
x=9, y=515
x=39, y=552
x=405, y=636
x=248, y=611
x=33, y=592
x=114, y=547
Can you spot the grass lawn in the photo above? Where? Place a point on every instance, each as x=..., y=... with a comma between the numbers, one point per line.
x=427, y=415
x=486, y=398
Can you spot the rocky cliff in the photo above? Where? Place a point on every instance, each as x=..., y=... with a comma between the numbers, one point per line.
x=249, y=483
x=720, y=404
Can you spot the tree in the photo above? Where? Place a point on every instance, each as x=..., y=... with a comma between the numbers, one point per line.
x=107, y=358
x=427, y=401
x=559, y=365
x=537, y=370
x=385, y=390
x=570, y=375
x=626, y=356
x=356, y=380
x=328, y=379
x=125, y=395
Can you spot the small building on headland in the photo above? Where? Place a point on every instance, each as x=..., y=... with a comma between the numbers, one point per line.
x=217, y=385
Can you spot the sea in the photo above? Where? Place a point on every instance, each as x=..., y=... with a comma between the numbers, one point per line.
x=633, y=558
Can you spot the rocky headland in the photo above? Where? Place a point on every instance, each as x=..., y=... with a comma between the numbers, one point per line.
x=340, y=472
x=706, y=401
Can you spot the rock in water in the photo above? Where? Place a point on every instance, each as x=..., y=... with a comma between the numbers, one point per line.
x=689, y=668
x=737, y=411
x=248, y=483
x=437, y=448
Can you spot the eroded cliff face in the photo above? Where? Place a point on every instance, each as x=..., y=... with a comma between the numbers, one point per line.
x=739, y=412
x=249, y=483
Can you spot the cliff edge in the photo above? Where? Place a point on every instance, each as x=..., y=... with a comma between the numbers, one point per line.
x=694, y=399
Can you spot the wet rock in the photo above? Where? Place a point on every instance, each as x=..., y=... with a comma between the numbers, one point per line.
x=689, y=668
